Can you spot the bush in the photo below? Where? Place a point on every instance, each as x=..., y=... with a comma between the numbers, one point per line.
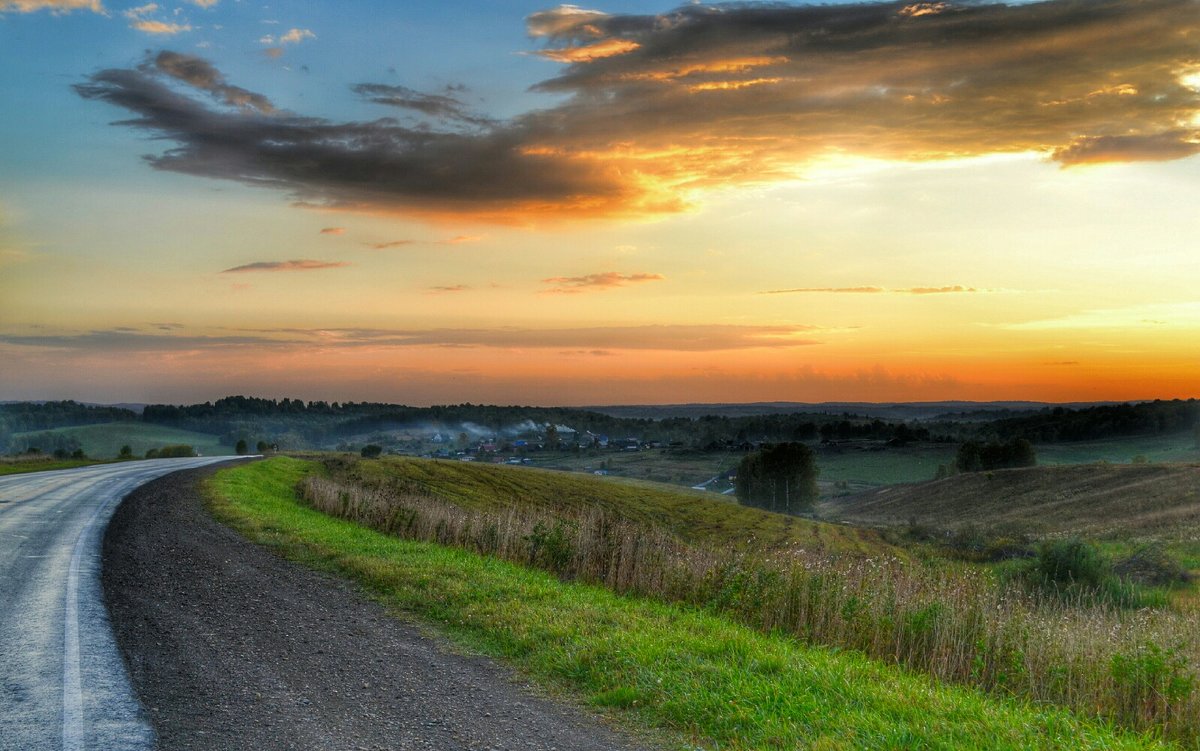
x=168, y=452
x=242, y=449
x=1071, y=562
x=371, y=451
x=1152, y=566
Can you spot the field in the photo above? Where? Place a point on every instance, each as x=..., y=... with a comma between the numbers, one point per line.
x=1144, y=502
x=691, y=515
x=704, y=679
x=104, y=441
x=15, y=465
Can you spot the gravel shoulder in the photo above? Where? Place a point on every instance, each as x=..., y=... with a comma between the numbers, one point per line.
x=230, y=647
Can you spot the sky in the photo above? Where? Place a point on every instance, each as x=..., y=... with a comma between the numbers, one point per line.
x=621, y=202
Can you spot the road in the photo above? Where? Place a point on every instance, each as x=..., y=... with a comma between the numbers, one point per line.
x=63, y=684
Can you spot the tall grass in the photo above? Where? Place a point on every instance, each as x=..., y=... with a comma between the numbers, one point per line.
x=1135, y=668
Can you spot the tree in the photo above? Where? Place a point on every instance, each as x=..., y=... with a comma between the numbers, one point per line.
x=551, y=436
x=782, y=478
x=371, y=451
x=126, y=453
x=262, y=447
x=241, y=447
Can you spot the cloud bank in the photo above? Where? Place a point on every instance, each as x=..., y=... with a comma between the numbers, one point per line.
x=659, y=106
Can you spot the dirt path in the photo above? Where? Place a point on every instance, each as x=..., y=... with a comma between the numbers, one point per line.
x=230, y=647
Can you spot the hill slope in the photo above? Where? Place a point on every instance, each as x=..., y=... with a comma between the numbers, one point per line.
x=694, y=516
x=105, y=440
x=1151, y=502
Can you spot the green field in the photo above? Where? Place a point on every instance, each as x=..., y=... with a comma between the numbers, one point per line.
x=695, y=516
x=16, y=465
x=105, y=440
x=703, y=680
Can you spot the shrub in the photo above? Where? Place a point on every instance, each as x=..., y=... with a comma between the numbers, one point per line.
x=1071, y=562
x=371, y=451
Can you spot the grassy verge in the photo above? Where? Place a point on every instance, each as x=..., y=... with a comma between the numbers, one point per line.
x=21, y=465
x=712, y=682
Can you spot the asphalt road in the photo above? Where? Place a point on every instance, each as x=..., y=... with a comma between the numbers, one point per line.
x=63, y=683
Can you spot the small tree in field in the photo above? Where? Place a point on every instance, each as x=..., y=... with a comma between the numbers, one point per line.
x=782, y=478
x=371, y=451
x=241, y=447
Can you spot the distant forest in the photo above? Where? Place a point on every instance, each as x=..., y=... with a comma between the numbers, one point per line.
x=293, y=423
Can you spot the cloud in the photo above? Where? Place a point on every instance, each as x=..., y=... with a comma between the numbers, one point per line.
x=447, y=289
x=162, y=28
x=606, y=280
x=938, y=290
x=291, y=36
x=333, y=230
x=1156, y=147
x=56, y=7
x=205, y=3
x=440, y=106
x=138, y=15
x=677, y=338
x=198, y=73
x=391, y=244
x=297, y=265
x=461, y=239
x=719, y=95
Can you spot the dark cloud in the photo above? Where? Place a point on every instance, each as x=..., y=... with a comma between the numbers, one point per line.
x=1157, y=147
x=439, y=106
x=199, y=73
x=297, y=265
x=679, y=338
x=657, y=105
x=605, y=280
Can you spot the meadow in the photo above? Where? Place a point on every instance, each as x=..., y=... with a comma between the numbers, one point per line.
x=700, y=672
x=104, y=440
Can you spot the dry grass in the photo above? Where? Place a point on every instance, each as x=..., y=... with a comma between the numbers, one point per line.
x=1131, y=667
x=1148, y=502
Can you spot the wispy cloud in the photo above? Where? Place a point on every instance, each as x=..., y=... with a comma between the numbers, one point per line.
x=951, y=289
x=333, y=230
x=602, y=281
x=140, y=20
x=54, y=6
x=390, y=244
x=297, y=265
x=713, y=95
x=441, y=290
x=677, y=338
x=443, y=107
x=198, y=73
x=291, y=36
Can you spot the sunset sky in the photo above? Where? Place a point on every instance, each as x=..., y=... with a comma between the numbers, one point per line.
x=621, y=202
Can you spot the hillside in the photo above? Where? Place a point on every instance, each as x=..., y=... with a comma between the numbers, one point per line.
x=694, y=516
x=105, y=440
x=1148, y=502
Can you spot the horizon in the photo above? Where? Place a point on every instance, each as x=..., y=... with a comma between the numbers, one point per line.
x=619, y=203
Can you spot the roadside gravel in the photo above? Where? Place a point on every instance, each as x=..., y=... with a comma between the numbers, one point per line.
x=231, y=647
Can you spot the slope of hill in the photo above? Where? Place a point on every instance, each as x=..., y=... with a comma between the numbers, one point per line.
x=106, y=439
x=694, y=516
x=1146, y=502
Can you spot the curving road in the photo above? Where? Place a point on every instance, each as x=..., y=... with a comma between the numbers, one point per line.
x=62, y=681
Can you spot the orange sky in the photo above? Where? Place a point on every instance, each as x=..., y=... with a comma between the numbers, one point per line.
x=879, y=202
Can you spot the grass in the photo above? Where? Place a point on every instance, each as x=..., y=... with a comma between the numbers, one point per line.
x=15, y=465
x=711, y=682
x=694, y=516
x=1150, y=502
x=106, y=439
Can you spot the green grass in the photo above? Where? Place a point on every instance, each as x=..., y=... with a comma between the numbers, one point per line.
x=693, y=516
x=23, y=464
x=1176, y=447
x=106, y=439
x=703, y=679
